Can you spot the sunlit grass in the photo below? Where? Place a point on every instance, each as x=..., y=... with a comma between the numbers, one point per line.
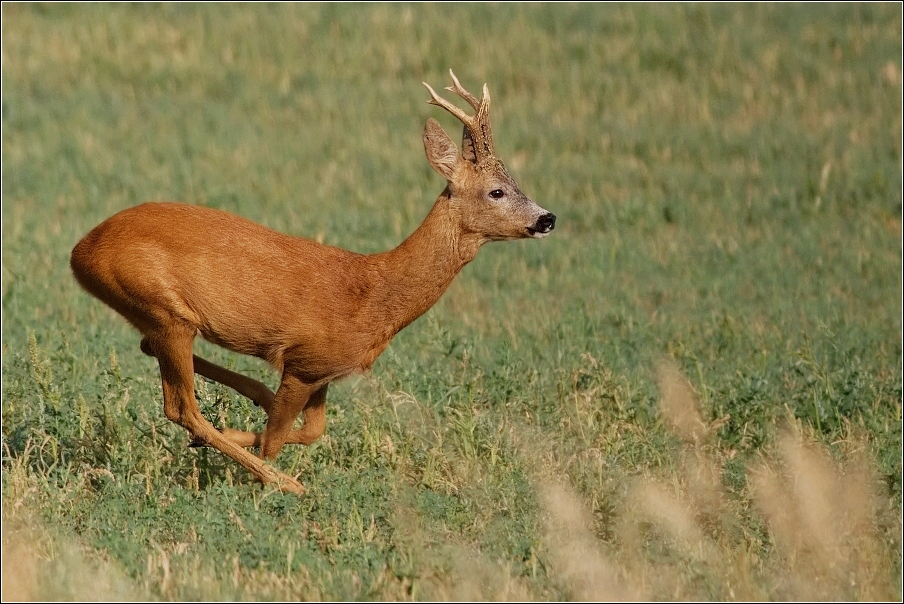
x=728, y=185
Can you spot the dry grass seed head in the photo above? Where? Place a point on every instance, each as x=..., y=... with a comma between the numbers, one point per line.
x=577, y=557
x=823, y=519
x=678, y=403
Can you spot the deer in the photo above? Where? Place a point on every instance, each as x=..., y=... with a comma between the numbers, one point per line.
x=316, y=313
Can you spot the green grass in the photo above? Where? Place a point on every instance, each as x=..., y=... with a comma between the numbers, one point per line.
x=728, y=185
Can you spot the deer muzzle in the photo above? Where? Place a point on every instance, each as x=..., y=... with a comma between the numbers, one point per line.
x=544, y=225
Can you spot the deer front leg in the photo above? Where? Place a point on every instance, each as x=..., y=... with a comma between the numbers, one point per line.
x=314, y=420
x=292, y=396
x=172, y=346
x=314, y=424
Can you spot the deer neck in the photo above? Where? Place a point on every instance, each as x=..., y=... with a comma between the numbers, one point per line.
x=421, y=268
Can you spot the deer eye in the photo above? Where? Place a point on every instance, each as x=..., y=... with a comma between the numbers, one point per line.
x=497, y=193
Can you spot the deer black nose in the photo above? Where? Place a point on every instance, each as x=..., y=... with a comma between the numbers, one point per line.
x=546, y=223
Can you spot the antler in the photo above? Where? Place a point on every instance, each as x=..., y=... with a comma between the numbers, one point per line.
x=477, y=141
x=458, y=89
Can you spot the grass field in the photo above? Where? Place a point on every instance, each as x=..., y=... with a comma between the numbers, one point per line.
x=691, y=390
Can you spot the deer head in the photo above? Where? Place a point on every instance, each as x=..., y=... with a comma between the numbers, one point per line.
x=488, y=202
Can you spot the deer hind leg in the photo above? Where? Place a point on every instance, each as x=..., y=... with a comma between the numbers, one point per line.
x=257, y=391
x=173, y=349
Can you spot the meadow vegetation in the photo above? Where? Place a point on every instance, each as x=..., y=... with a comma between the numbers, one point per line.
x=690, y=390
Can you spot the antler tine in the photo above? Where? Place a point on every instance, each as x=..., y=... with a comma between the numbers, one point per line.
x=477, y=139
x=458, y=89
x=439, y=101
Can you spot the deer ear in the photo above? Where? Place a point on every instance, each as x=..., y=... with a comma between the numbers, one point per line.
x=441, y=151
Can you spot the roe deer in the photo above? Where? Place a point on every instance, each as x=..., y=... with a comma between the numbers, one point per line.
x=315, y=312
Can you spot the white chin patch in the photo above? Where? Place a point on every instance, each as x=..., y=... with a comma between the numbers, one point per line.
x=538, y=234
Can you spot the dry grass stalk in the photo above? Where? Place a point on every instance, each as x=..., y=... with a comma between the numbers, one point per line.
x=39, y=567
x=678, y=403
x=682, y=535
x=826, y=523
x=577, y=556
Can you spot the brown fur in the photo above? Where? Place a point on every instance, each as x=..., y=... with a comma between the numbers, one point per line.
x=315, y=312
